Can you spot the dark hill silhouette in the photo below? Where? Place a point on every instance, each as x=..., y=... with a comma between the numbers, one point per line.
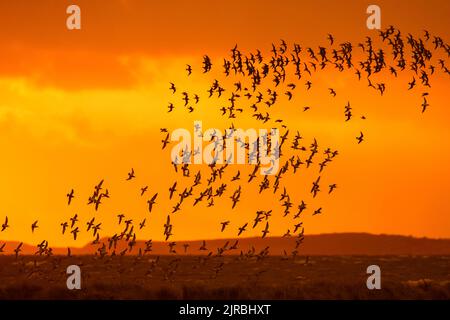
x=322, y=244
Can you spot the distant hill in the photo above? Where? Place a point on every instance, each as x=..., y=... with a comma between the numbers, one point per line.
x=322, y=244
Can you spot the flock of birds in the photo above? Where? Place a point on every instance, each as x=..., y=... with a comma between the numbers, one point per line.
x=262, y=83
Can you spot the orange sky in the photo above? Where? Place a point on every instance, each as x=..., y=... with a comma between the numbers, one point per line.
x=80, y=106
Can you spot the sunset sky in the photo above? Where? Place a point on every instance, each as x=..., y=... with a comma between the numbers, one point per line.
x=84, y=105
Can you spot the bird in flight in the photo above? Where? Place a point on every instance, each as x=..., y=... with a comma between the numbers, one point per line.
x=5, y=224
x=332, y=187
x=142, y=224
x=189, y=69
x=330, y=37
x=242, y=229
x=90, y=224
x=308, y=85
x=360, y=138
x=224, y=225
x=75, y=233
x=70, y=196
x=34, y=226
x=412, y=83
x=318, y=211
x=74, y=219
x=131, y=175
x=266, y=230
x=18, y=249
x=165, y=141
x=425, y=104
x=151, y=202
x=64, y=226
x=172, y=87
x=168, y=228
x=203, y=246
x=332, y=92
x=143, y=190
x=172, y=190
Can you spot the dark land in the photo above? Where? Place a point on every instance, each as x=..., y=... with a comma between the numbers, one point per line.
x=407, y=272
